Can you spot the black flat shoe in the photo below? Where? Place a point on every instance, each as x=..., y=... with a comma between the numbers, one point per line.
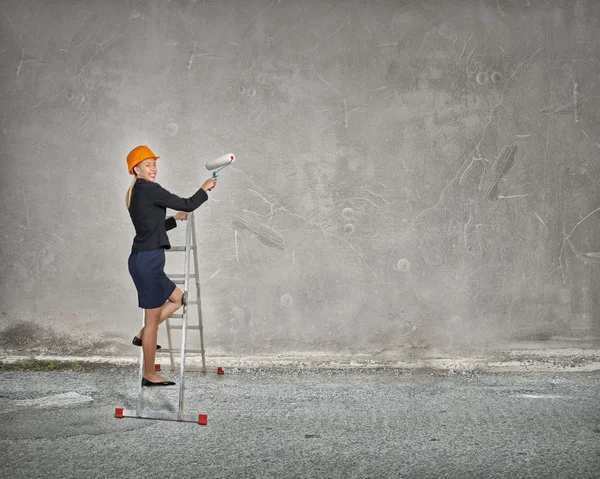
x=138, y=342
x=145, y=382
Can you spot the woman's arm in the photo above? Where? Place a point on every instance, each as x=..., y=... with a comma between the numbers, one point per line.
x=167, y=199
x=170, y=223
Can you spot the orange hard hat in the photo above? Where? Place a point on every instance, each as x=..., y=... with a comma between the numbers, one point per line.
x=138, y=154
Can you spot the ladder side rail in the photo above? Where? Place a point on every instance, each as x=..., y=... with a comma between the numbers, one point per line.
x=170, y=341
x=198, y=297
x=186, y=284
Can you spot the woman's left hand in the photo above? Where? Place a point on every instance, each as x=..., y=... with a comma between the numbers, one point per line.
x=181, y=216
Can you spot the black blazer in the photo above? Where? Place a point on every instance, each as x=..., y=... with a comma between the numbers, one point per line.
x=148, y=209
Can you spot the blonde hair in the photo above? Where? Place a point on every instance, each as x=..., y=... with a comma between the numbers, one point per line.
x=130, y=191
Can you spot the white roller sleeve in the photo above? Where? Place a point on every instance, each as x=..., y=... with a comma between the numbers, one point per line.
x=220, y=161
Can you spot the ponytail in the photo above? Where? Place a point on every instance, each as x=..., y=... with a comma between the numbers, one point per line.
x=130, y=191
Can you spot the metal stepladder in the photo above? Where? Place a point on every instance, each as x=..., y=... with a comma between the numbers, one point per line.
x=180, y=416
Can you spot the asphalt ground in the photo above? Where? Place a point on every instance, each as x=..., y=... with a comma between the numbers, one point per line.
x=288, y=423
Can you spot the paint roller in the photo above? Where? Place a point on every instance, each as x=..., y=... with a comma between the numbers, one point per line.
x=219, y=163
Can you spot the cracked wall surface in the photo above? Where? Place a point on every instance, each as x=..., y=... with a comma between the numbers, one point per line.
x=407, y=174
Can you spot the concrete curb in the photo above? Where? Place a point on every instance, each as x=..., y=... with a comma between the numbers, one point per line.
x=516, y=361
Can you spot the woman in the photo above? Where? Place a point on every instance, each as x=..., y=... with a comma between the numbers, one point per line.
x=147, y=202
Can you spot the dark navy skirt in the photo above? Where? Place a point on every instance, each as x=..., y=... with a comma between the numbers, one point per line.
x=147, y=269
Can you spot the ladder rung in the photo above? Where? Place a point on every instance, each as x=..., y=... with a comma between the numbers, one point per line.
x=179, y=248
x=178, y=278
x=176, y=316
x=179, y=326
x=167, y=350
x=162, y=388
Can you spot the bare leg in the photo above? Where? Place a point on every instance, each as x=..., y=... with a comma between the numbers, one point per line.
x=149, y=333
x=151, y=320
x=174, y=302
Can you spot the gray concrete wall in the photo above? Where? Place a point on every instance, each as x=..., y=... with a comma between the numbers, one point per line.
x=419, y=174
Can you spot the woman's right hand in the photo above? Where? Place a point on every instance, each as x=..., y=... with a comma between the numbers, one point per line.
x=209, y=184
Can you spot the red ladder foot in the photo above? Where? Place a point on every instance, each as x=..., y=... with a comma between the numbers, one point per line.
x=202, y=419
